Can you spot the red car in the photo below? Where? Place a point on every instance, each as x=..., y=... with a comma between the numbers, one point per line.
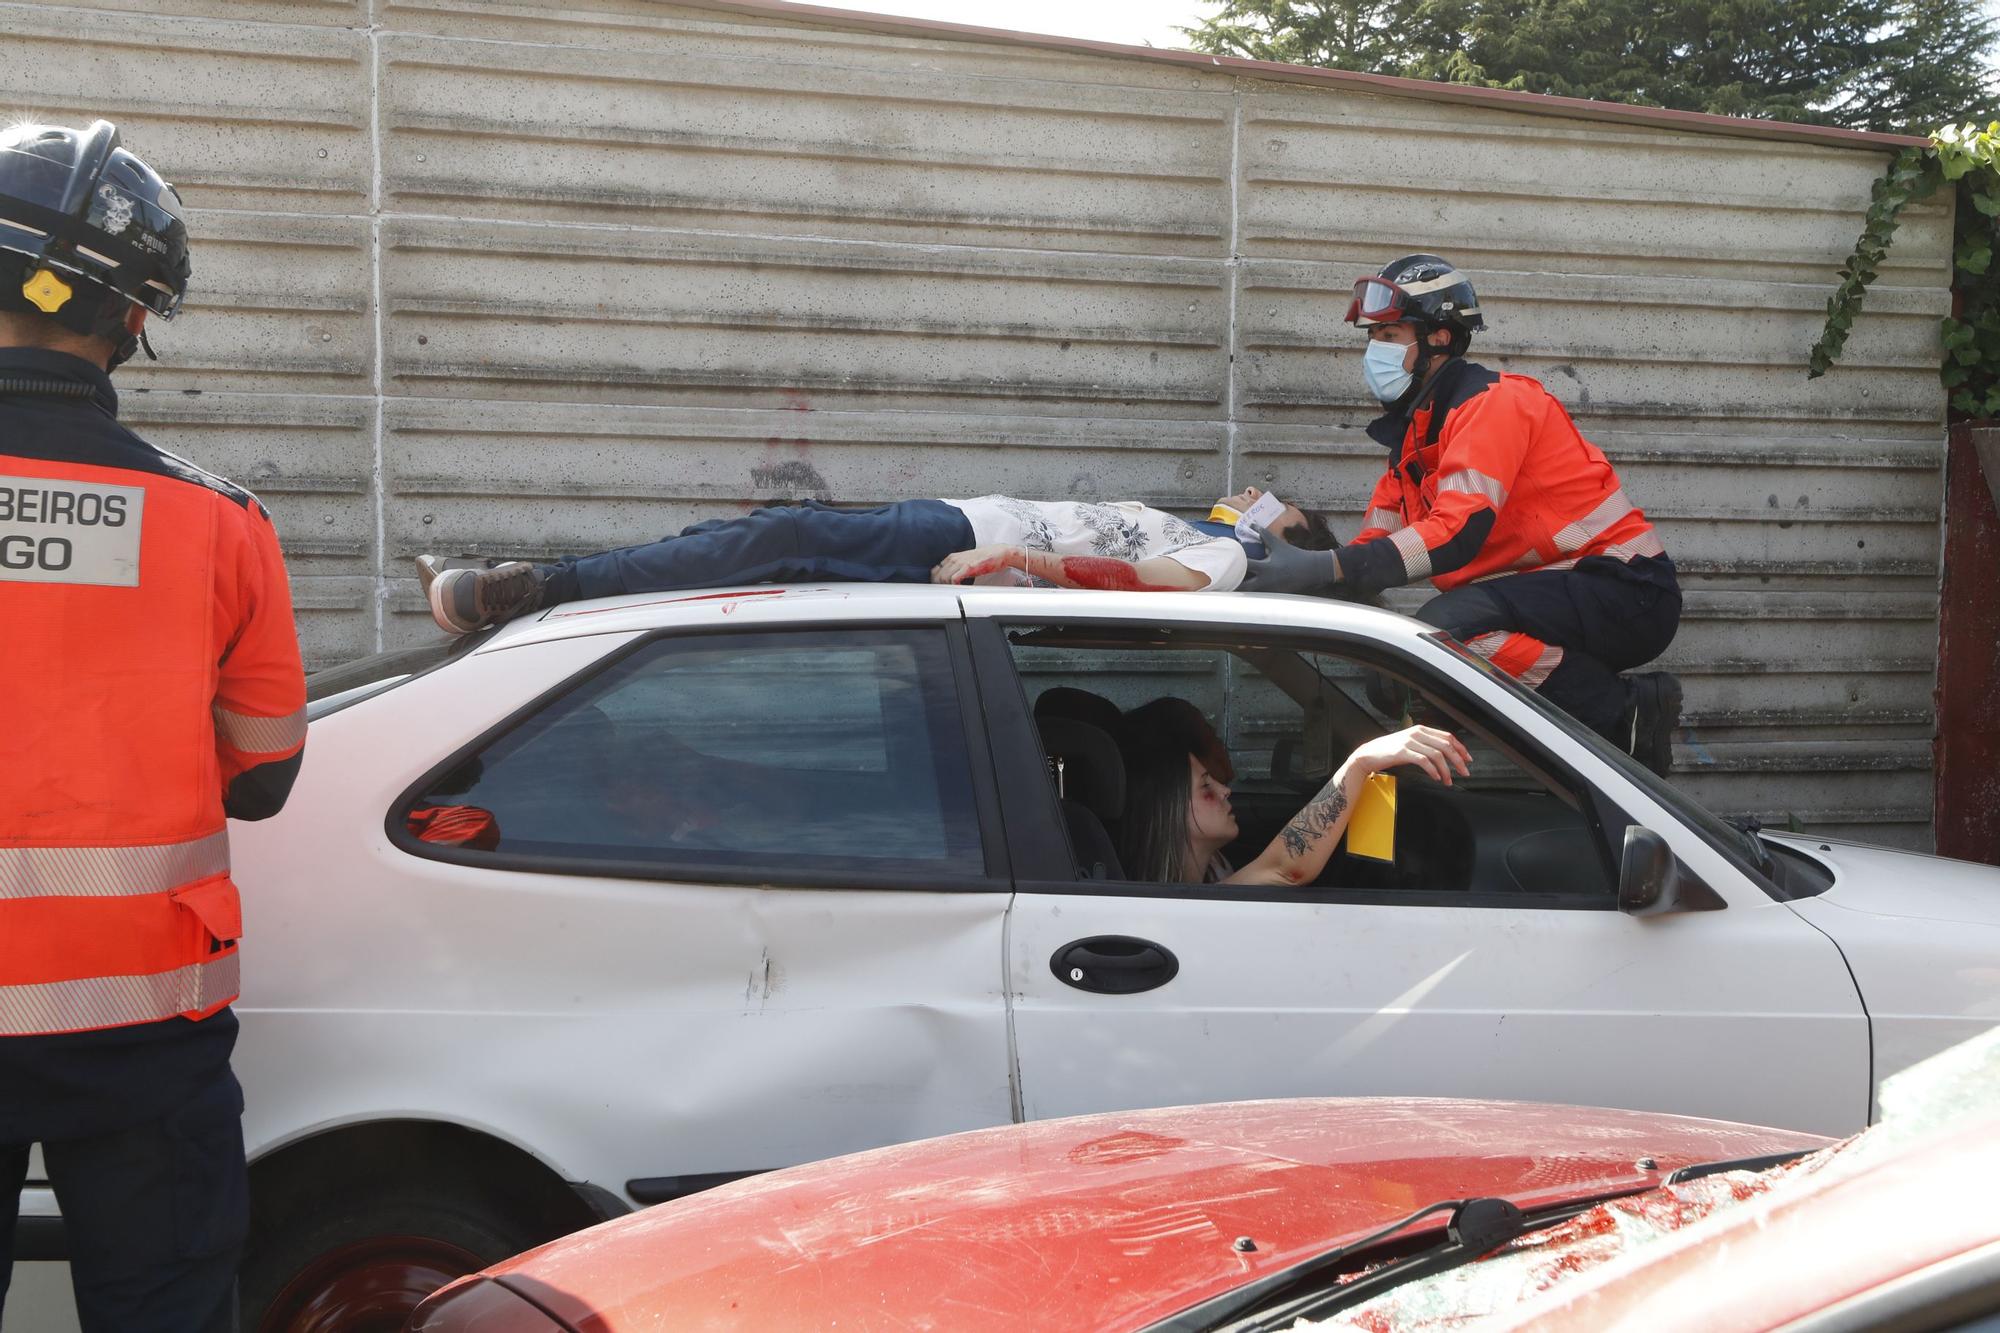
x=1182, y=1219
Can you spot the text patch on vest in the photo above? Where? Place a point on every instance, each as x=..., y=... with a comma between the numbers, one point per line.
x=57, y=531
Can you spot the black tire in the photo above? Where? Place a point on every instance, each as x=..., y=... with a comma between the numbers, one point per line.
x=357, y=1261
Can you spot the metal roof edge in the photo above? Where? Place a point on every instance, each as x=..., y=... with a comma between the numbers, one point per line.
x=1499, y=99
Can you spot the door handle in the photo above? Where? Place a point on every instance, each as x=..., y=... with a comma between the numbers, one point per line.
x=1114, y=965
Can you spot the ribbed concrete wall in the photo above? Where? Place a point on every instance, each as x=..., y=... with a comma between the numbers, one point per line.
x=535, y=278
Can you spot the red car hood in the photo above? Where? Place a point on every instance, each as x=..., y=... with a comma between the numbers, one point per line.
x=1100, y=1222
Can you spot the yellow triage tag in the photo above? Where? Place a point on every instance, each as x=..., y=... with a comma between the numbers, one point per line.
x=1371, y=832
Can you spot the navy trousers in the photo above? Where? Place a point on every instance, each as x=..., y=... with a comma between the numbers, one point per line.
x=893, y=543
x=154, y=1209
x=1606, y=615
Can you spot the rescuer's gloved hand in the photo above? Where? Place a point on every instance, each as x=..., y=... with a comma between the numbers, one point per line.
x=1287, y=568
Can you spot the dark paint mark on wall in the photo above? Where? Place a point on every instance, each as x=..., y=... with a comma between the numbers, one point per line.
x=792, y=477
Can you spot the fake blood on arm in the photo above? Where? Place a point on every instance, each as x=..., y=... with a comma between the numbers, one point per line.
x=1096, y=571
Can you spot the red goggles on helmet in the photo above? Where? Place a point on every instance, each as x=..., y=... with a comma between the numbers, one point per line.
x=1378, y=301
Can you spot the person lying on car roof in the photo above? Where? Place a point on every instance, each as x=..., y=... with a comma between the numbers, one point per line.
x=1071, y=544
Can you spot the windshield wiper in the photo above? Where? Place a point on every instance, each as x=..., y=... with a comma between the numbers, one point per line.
x=1749, y=826
x=1477, y=1227
x=1764, y=1163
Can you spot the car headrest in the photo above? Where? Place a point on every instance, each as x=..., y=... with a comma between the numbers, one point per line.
x=1093, y=771
x=1078, y=706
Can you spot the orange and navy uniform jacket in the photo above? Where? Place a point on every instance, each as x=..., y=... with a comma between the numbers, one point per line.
x=1489, y=476
x=152, y=687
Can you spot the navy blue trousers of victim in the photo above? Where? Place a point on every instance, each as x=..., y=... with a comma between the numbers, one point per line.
x=892, y=543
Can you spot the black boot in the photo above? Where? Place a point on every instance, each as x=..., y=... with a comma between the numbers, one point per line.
x=1652, y=717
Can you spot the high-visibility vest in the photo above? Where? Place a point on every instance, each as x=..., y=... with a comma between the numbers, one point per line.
x=150, y=684
x=1489, y=476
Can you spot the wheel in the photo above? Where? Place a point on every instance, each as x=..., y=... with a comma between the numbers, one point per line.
x=349, y=1264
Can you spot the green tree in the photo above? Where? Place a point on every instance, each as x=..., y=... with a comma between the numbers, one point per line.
x=1371, y=36
x=1862, y=64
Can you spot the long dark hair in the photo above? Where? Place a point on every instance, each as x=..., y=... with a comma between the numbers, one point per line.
x=1158, y=738
x=1153, y=834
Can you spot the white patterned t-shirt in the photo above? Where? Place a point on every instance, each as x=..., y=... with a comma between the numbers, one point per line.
x=1121, y=529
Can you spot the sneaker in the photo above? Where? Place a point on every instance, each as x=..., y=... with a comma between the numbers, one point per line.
x=1656, y=715
x=463, y=600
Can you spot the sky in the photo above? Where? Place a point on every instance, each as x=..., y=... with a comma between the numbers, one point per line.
x=1134, y=22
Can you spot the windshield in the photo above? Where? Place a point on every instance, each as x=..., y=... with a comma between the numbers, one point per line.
x=333, y=688
x=1742, y=848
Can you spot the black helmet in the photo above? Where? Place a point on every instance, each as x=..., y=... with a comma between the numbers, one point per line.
x=1423, y=289
x=76, y=205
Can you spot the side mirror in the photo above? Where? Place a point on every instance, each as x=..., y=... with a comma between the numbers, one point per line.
x=1652, y=881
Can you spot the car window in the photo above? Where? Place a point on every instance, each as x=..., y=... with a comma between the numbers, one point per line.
x=787, y=753
x=1741, y=848
x=1287, y=718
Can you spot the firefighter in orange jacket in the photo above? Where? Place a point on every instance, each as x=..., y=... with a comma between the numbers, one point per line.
x=1545, y=566
x=151, y=684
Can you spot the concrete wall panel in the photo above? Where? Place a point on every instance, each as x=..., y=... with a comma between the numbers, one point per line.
x=757, y=322
x=752, y=142
x=278, y=304
x=309, y=459
x=1616, y=199
x=265, y=116
x=533, y=277
x=719, y=33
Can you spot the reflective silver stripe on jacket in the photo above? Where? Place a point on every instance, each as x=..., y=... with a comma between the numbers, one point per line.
x=1575, y=536
x=1416, y=557
x=1528, y=560
x=1646, y=543
x=110, y=872
x=1389, y=520
x=1539, y=670
x=1474, y=482
x=105, y=1002
x=1543, y=667
x=260, y=735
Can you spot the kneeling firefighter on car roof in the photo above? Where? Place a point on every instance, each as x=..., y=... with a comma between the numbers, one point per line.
x=1545, y=566
x=150, y=686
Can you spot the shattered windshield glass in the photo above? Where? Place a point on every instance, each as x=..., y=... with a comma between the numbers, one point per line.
x=1951, y=1091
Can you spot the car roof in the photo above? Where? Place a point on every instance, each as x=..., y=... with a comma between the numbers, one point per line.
x=1102, y=1221
x=772, y=604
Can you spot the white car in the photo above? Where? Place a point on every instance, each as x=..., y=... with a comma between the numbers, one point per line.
x=741, y=879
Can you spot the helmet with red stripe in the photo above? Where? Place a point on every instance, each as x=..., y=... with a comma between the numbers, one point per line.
x=1418, y=289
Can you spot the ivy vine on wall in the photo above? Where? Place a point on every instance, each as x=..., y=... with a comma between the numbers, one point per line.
x=1967, y=159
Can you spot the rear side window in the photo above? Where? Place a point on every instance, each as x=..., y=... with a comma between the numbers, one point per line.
x=783, y=753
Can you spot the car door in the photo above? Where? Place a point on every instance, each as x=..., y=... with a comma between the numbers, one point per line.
x=719, y=900
x=1497, y=969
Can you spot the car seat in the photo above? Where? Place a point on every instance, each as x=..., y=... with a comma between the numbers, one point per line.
x=1089, y=775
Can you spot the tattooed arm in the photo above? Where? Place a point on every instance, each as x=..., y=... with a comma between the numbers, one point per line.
x=1159, y=574
x=1303, y=847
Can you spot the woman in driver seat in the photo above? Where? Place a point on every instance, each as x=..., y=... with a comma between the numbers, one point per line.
x=1178, y=817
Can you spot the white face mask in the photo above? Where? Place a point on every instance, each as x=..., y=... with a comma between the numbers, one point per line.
x=1382, y=367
